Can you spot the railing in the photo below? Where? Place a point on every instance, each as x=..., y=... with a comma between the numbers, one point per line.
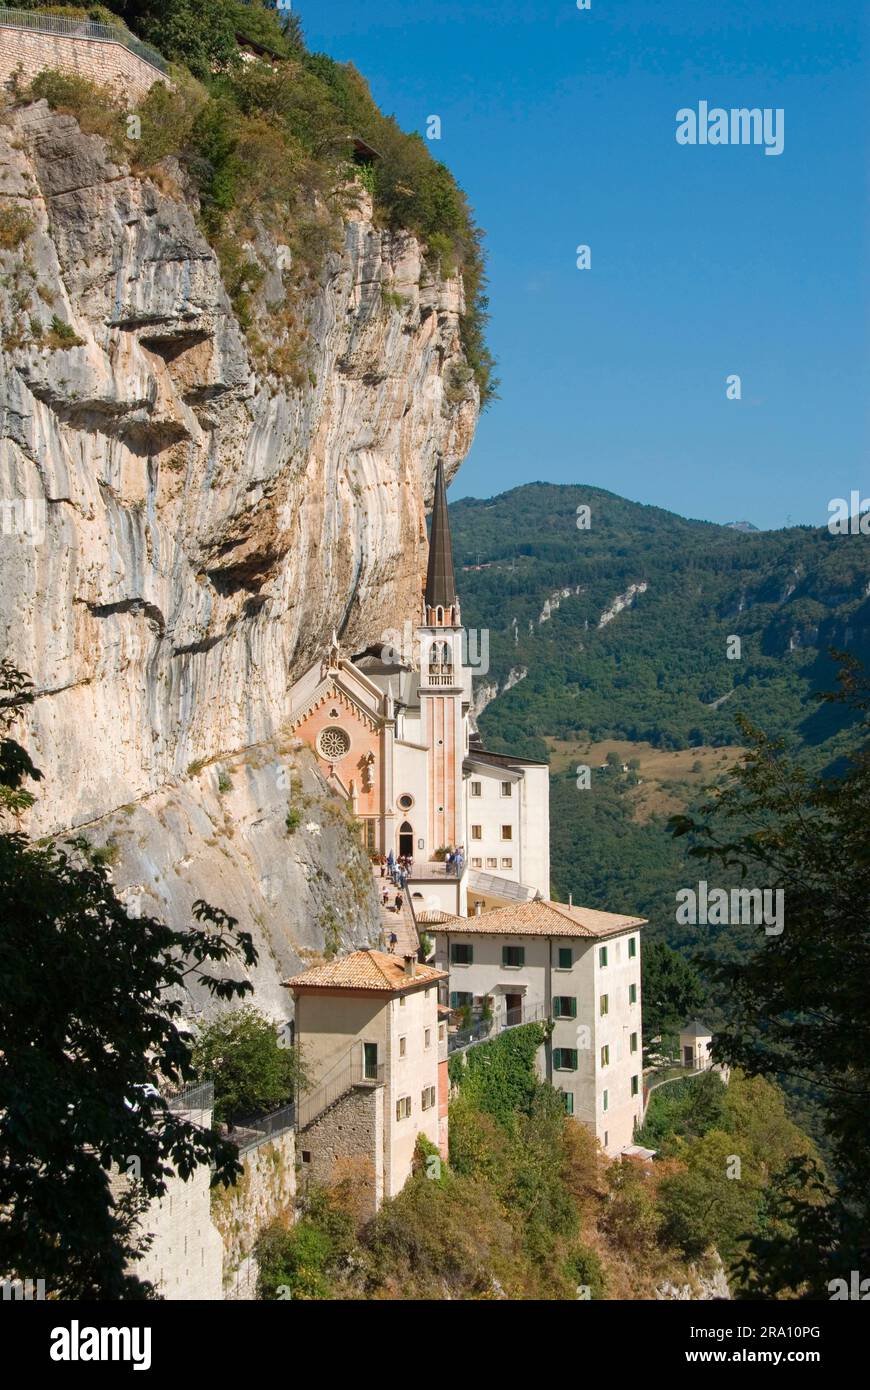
x=486, y=1029
x=197, y=1095
x=251, y=1133
x=81, y=29
x=350, y=1072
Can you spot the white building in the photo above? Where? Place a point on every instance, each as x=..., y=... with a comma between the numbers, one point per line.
x=581, y=968
x=394, y=733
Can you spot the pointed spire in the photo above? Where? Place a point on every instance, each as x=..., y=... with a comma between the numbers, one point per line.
x=440, y=580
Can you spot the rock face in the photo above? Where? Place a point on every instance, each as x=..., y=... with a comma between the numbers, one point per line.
x=205, y=529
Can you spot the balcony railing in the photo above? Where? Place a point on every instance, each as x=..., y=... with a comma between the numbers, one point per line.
x=500, y=1021
x=81, y=29
x=350, y=1072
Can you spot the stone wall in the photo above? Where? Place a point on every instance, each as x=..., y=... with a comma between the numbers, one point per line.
x=108, y=64
x=347, y=1140
x=265, y=1192
x=186, y=1254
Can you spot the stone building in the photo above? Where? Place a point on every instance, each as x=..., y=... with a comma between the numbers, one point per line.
x=367, y=1025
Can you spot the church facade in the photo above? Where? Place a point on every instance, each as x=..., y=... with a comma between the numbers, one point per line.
x=394, y=733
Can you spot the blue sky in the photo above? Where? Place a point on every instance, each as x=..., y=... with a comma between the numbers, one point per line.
x=706, y=261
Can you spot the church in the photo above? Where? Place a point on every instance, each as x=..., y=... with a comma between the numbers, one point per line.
x=394, y=734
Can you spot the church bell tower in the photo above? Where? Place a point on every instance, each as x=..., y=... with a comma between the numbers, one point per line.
x=442, y=685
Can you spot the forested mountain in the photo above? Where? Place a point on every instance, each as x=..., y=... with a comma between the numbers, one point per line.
x=617, y=625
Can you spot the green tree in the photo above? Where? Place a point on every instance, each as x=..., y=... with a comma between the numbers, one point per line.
x=672, y=989
x=200, y=33
x=712, y=1202
x=252, y=1072
x=798, y=1000
x=90, y=1000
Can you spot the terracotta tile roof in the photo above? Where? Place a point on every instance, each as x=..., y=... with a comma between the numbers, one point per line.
x=543, y=918
x=376, y=970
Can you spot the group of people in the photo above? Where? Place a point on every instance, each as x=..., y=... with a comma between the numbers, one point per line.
x=455, y=860
x=397, y=871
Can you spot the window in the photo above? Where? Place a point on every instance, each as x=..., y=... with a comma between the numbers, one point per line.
x=632, y=947
x=507, y=832
x=632, y=994
x=427, y=1037
x=507, y=863
x=371, y=832
x=604, y=1005
x=370, y=1061
x=406, y=801
x=513, y=957
x=403, y=1047
x=604, y=1099
x=333, y=744
x=306, y=1155
x=507, y=789
x=476, y=863
x=566, y=958
x=568, y=1101
x=461, y=954
x=605, y=1139
x=428, y=1097
x=634, y=1085
x=633, y=1042
x=442, y=1031
x=605, y=1055
x=459, y=999
x=565, y=1058
x=492, y=863
x=564, y=1006
x=402, y=1001
x=476, y=789
x=477, y=832
x=602, y=956
x=403, y=1108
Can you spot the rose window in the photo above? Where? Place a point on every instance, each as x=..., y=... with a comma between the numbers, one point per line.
x=333, y=744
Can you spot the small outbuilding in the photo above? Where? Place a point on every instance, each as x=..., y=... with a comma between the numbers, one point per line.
x=696, y=1040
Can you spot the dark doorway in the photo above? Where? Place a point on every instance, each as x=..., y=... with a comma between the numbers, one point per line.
x=688, y=1058
x=406, y=840
x=513, y=1004
x=370, y=1061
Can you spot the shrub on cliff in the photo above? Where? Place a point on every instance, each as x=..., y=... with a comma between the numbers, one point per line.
x=272, y=145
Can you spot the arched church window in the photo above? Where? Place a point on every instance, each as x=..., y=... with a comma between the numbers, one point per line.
x=439, y=614
x=333, y=744
x=446, y=655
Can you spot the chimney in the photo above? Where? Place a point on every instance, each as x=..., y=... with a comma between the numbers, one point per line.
x=570, y=899
x=410, y=966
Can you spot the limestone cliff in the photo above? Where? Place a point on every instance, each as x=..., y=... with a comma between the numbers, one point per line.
x=205, y=528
